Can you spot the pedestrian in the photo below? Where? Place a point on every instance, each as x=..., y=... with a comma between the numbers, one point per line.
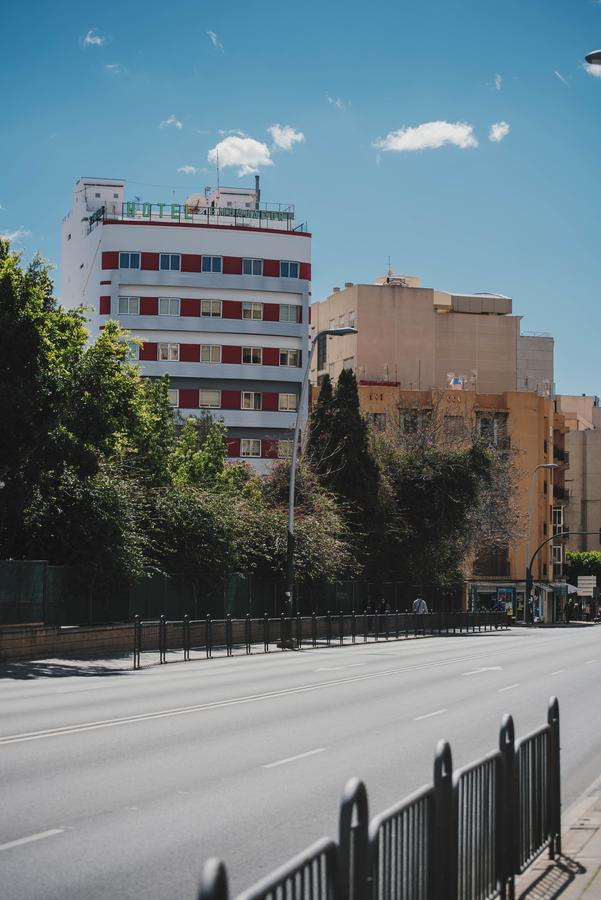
x=420, y=606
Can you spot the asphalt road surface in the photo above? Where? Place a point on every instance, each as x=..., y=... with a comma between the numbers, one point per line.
x=120, y=785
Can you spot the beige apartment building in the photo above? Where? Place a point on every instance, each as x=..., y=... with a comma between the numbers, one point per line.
x=419, y=338
x=582, y=415
x=463, y=354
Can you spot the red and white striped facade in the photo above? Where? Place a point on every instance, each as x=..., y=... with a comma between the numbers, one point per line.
x=216, y=290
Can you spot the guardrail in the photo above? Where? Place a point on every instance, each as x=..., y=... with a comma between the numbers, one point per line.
x=201, y=637
x=465, y=837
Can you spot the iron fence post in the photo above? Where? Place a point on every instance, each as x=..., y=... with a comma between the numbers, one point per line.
x=248, y=632
x=283, y=631
x=353, y=825
x=209, y=637
x=186, y=637
x=328, y=628
x=509, y=807
x=555, y=778
x=299, y=631
x=314, y=629
x=137, y=641
x=396, y=623
x=162, y=638
x=266, y=632
x=446, y=825
x=341, y=627
x=213, y=882
x=228, y=634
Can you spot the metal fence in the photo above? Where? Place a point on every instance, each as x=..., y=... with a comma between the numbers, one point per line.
x=196, y=638
x=465, y=837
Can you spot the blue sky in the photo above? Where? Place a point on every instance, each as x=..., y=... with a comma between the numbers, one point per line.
x=519, y=215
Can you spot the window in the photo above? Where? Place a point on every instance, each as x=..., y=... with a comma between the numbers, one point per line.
x=288, y=269
x=212, y=263
x=351, y=318
x=252, y=355
x=288, y=402
x=251, y=400
x=409, y=421
x=557, y=554
x=322, y=351
x=133, y=350
x=169, y=352
x=210, y=353
x=170, y=261
x=115, y=196
x=209, y=399
x=129, y=306
x=289, y=357
x=168, y=306
x=290, y=312
x=378, y=421
x=129, y=260
x=97, y=195
x=252, y=266
x=250, y=447
x=557, y=519
x=252, y=310
x=284, y=449
x=453, y=425
x=173, y=396
x=210, y=309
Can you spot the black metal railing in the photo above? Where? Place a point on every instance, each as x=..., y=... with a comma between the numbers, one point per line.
x=196, y=638
x=465, y=837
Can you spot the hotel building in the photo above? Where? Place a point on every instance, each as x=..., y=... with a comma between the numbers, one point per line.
x=217, y=291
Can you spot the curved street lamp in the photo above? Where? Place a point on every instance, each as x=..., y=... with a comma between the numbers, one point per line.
x=528, y=589
x=594, y=58
x=333, y=332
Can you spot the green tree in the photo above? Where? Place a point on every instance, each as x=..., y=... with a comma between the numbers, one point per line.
x=319, y=444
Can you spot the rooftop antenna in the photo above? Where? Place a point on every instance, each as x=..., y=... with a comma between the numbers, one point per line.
x=389, y=273
x=217, y=154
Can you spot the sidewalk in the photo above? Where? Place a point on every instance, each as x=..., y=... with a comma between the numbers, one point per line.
x=577, y=872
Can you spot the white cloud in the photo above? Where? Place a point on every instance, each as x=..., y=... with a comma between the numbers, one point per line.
x=92, y=39
x=171, y=121
x=215, y=40
x=595, y=71
x=429, y=135
x=224, y=131
x=16, y=235
x=498, y=131
x=114, y=68
x=190, y=170
x=244, y=153
x=498, y=82
x=284, y=136
x=560, y=76
x=336, y=101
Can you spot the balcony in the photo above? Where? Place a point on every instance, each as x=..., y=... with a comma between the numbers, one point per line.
x=561, y=493
x=560, y=455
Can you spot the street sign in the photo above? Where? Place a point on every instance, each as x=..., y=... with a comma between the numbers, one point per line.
x=587, y=585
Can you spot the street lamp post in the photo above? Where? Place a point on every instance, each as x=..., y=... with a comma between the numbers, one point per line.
x=334, y=332
x=594, y=58
x=533, y=479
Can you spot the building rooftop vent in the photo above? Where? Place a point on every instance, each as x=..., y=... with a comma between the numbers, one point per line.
x=336, y=290
x=348, y=284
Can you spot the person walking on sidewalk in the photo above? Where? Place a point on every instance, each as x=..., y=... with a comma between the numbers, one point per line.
x=420, y=606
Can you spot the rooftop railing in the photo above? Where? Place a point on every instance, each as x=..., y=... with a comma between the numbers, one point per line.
x=273, y=216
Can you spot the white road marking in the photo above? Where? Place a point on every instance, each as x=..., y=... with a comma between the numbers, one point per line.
x=484, y=669
x=222, y=704
x=558, y=672
x=509, y=687
x=289, y=759
x=337, y=668
x=32, y=837
x=437, y=712
x=590, y=662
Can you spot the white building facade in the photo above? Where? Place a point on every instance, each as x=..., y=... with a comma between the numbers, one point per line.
x=217, y=291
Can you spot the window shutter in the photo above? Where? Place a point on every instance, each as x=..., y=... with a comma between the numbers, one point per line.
x=110, y=259
x=150, y=261
x=189, y=307
x=189, y=352
x=149, y=306
x=148, y=351
x=105, y=306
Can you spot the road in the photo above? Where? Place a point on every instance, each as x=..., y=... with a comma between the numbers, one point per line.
x=122, y=784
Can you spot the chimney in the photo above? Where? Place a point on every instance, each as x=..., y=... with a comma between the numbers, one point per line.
x=336, y=290
x=348, y=284
x=257, y=192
